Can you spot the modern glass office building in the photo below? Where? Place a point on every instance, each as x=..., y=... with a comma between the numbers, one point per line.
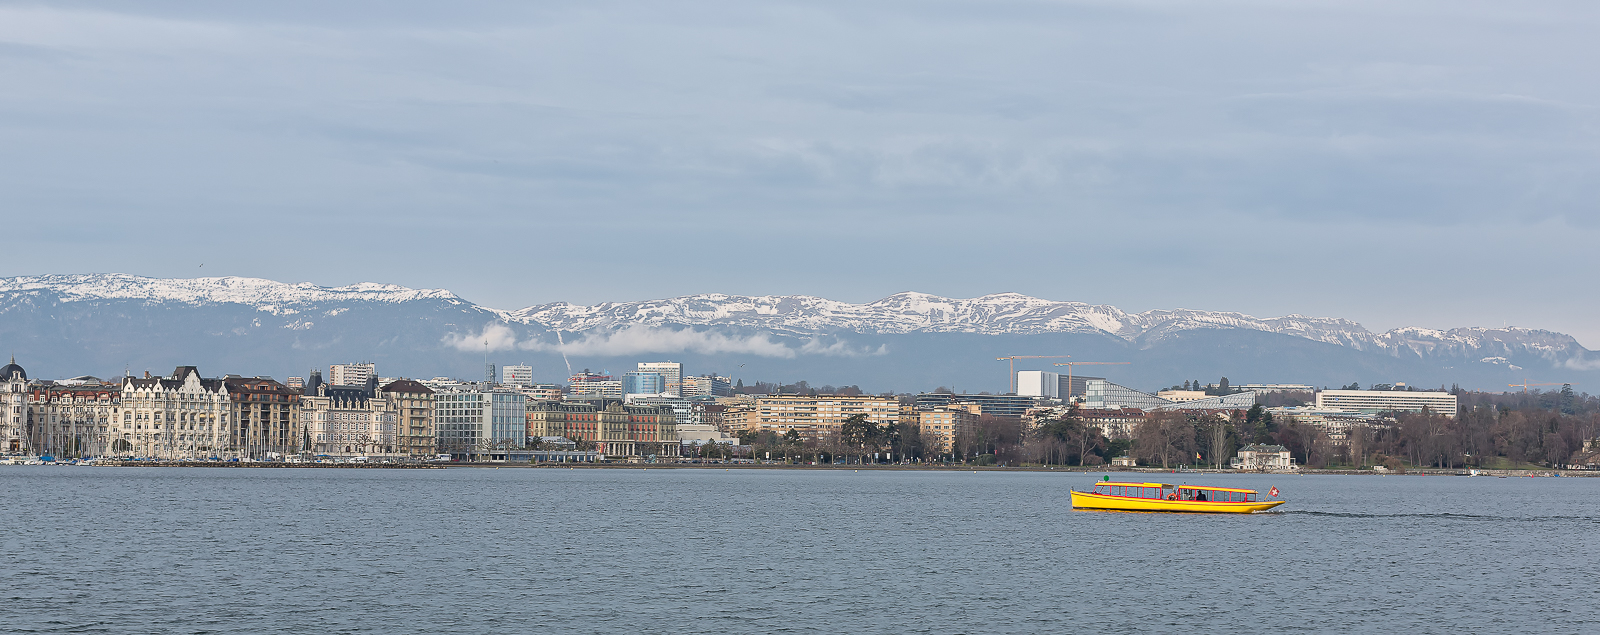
x=671, y=373
x=643, y=383
x=1104, y=395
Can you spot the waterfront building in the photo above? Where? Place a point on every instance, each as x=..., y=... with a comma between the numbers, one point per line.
x=474, y=422
x=643, y=383
x=617, y=430
x=352, y=374
x=519, y=375
x=671, y=373
x=941, y=426
x=1376, y=401
x=1257, y=456
x=815, y=416
x=346, y=421
x=707, y=386
x=413, y=405
x=14, y=438
x=996, y=405
x=263, y=418
x=180, y=416
x=73, y=418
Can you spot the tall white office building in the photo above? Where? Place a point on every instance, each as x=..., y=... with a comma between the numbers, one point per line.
x=516, y=375
x=1039, y=383
x=352, y=374
x=671, y=373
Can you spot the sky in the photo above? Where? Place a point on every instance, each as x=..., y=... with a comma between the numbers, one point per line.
x=1395, y=163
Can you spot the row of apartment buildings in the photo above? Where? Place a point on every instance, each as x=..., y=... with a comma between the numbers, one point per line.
x=186, y=416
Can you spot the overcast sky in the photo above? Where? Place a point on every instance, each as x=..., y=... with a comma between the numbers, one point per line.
x=1394, y=162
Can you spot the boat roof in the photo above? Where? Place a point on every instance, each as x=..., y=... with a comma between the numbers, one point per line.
x=1219, y=489
x=1204, y=487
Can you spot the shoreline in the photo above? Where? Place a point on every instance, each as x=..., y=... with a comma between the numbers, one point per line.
x=1482, y=473
x=1072, y=469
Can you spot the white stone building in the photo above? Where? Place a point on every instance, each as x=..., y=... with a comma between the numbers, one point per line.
x=1260, y=457
x=181, y=416
x=14, y=422
x=348, y=421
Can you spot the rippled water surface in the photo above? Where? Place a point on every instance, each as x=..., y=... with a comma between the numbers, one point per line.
x=774, y=551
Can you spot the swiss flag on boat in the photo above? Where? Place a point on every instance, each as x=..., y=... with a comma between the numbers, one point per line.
x=1273, y=492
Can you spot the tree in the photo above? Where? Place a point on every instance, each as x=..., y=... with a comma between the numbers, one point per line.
x=792, y=436
x=859, y=431
x=1075, y=435
x=1166, y=437
x=1219, y=440
x=581, y=444
x=1260, y=425
x=1222, y=387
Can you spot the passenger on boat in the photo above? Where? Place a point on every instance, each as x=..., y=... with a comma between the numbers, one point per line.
x=1200, y=496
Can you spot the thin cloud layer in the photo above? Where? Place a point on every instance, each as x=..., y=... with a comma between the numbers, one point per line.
x=638, y=340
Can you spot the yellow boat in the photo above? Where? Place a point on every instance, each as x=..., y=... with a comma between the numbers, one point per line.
x=1163, y=497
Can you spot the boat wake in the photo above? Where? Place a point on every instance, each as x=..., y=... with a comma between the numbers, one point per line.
x=1441, y=516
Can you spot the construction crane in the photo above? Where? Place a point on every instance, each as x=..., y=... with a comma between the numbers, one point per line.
x=1524, y=385
x=1013, y=363
x=1069, y=366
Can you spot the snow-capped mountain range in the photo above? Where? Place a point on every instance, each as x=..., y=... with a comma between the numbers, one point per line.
x=908, y=312
x=263, y=295
x=321, y=317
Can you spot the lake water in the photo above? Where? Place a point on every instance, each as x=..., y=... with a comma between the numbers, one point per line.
x=779, y=551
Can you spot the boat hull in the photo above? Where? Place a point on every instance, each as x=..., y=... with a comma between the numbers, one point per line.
x=1090, y=500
